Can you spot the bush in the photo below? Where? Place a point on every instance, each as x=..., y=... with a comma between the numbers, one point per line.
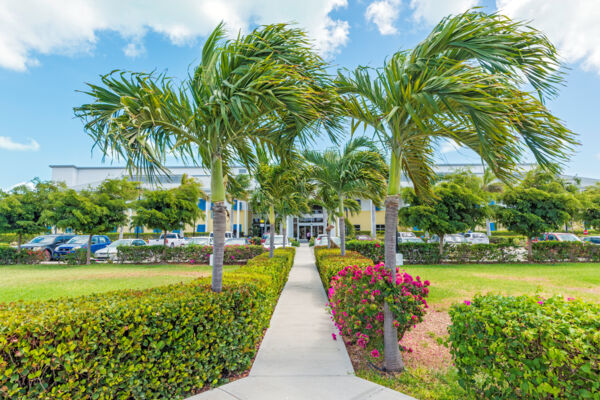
x=165, y=342
x=555, y=252
x=295, y=243
x=186, y=254
x=311, y=241
x=255, y=240
x=329, y=262
x=10, y=256
x=526, y=347
x=357, y=295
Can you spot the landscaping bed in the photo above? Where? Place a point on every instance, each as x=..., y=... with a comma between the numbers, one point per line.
x=165, y=342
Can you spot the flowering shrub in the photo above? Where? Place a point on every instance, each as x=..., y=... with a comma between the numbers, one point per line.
x=10, y=255
x=527, y=347
x=357, y=295
x=330, y=262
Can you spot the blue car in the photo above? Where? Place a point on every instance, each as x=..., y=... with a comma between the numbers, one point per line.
x=80, y=242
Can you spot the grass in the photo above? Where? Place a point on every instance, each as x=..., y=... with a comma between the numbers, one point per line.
x=429, y=374
x=42, y=282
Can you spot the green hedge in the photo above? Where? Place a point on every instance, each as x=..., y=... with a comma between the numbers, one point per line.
x=10, y=255
x=527, y=348
x=428, y=253
x=556, y=252
x=329, y=262
x=165, y=342
x=186, y=254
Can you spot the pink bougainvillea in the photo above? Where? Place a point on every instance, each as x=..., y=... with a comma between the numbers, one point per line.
x=357, y=295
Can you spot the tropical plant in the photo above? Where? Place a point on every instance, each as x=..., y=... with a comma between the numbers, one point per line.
x=327, y=198
x=265, y=89
x=358, y=170
x=464, y=83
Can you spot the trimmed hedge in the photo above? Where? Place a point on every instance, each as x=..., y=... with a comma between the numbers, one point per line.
x=10, y=256
x=186, y=254
x=428, y=253
x=165, y=342
x=527, y=348
x=329, y=262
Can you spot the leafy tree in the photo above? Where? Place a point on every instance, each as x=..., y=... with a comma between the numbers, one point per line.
x=169, y=209
x=328, y=199
x=20, y=210
x=590, y=200
x=358, y=170
x=462, y=82
x=265, y=89
x=454, y=208
x=530, y=211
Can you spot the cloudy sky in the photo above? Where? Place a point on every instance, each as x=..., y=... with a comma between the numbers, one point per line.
x=49, y=48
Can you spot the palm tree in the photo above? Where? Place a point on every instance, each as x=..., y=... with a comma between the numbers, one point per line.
x=463, y=82
x=357, y=171
x=234, y=101
x=328, y=199
x=238, y=188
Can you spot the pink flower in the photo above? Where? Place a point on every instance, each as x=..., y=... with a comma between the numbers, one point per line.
x=541, y=302
x=570, y=298
x=333, y=336
x=377, y=245
x=467, y=302
x=375, y=353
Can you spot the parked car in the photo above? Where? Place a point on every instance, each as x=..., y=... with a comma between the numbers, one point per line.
x=592, y=239
x=477, y=238
x=110, y=251
x=454, y=238
x=199, y=241
x=173, y=240
x=364, y=237
x=228, y=235
x=80, y=242
x=237, y=242
x=408, y=237
x=321, y=240
x=47, y=244
x=558, y=237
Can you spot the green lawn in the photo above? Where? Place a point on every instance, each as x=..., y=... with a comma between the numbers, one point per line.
x=41, y=282
x=455, y=283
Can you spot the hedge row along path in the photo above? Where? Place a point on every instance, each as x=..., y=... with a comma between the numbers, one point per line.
x=298, y=358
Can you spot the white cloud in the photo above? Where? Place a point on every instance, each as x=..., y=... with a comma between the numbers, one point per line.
x=7, y=143
x=571, y=25
x=449, y=146
x=384, y=14
x=432, y=11
x=134, y=49
x=32, y=27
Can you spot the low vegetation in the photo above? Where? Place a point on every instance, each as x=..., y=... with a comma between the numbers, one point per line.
x=124, y=344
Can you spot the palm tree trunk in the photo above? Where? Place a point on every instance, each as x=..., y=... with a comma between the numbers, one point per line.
x=219, y=222
x=88, y=255
x=441, y=244
x=392, y=357
x=19, y=240
x=529, y=250
x=284, y=229
x=272, y=231
x=328, y=237
x=342, y=227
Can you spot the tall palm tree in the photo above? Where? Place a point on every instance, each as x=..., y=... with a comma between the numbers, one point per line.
x=328, y=199
x=464, y=83
x=357, y=171
x=234, y=101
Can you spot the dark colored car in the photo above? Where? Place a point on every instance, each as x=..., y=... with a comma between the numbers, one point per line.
x=47, y=244
x=80, y=242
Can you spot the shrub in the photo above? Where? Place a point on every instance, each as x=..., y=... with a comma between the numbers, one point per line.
x=295, y=243
x=255, y=240
x=311, y=241
x=186, y=254
x=329, y=262
x=554, y=252
x=357, y=296
x=10, y=256
x=165, y=342
x=527, y=347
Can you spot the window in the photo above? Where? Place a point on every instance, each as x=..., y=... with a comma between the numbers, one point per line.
x=201, y=228
x=357, y=228
x=380, y=228
x=95, y=240
x=139, y=242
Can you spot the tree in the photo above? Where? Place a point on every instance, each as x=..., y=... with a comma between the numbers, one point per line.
x=530, y=211
x=265, y=89
x=590, y=200
x=21, y=209
x=357, y=171
x=169, y=209
x=464, y=83
x=238, y=188
x=328, y=199
x=454, y=208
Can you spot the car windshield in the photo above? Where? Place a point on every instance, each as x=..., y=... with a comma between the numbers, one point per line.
x=567, y=237
x=42, y=240
x=78, y=240
x=120, y=242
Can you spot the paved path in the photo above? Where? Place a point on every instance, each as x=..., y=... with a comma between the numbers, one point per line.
x=298, y=358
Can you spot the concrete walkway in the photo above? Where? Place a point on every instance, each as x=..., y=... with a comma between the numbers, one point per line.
x=298, y=358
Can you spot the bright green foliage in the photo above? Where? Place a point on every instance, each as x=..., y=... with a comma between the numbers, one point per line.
x=20, y=210
x=11, y=255
x=527, y=347
x=186, y=254
x=166, y=342
x=330, y=261
x=169, y=209
x=590, y=200
x=453, y=209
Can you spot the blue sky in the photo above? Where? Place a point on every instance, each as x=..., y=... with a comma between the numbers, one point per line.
x=49, y=49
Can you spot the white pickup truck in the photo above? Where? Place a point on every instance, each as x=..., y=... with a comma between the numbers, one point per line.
x=173, y=240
